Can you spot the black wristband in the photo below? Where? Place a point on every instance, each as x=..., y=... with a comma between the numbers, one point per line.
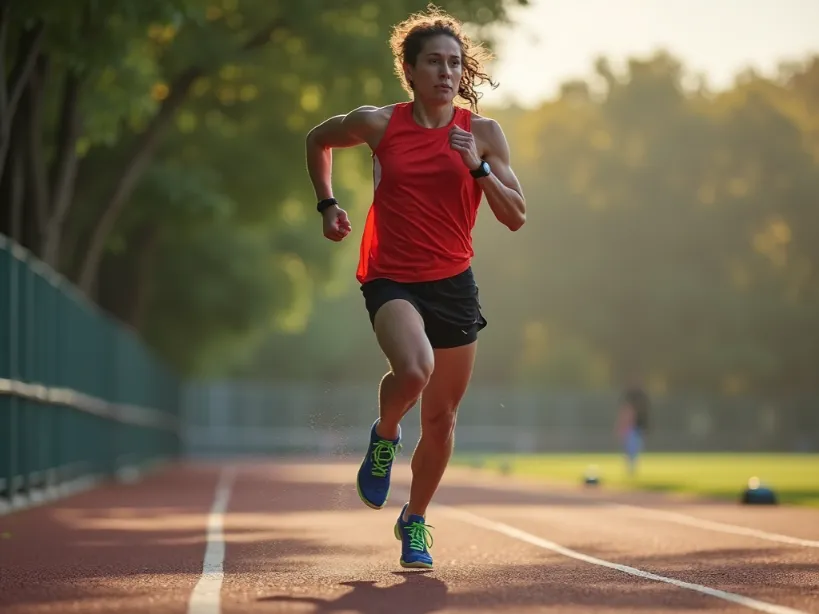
x=483, y=170
x=325, y=204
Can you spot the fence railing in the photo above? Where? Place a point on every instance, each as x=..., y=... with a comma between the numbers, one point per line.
x=234, y=417
x=81, y=398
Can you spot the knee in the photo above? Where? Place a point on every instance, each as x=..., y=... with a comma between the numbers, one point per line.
x=439, y=426
x=414, y=376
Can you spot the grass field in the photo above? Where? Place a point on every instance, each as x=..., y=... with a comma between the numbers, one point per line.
x=793, y=477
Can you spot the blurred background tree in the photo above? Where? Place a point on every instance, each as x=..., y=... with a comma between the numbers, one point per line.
x=153, y=152
x=671, y=238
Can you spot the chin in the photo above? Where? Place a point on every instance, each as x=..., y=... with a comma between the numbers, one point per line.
x=441, y=98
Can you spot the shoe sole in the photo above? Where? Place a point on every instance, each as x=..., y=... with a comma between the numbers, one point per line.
x=364, y=500
x=417, y=564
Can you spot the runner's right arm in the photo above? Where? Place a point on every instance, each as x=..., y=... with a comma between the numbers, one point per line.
x=354, y=128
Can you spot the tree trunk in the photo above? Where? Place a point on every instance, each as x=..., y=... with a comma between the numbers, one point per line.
x=37, y=196
x=140, y=156
x=138, y=159
x=125, y=278
x=144, y=281
x=12, y=188
x=17, y=180
x=64, y=169
x=11, y=92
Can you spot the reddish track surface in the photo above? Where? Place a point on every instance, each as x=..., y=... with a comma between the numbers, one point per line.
x=299, y=540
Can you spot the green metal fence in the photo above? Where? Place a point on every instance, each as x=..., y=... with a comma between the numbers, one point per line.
x=81, y=398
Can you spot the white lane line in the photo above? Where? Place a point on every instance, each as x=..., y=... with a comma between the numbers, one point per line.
x=523, y=536
x=206, y=595
x=692, y=521
x=710, y=525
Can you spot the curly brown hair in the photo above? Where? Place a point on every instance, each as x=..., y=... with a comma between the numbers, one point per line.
x=408, y=39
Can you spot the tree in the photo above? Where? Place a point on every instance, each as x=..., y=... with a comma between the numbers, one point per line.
x=62, y=51
x=151, y=127
x=671, y=235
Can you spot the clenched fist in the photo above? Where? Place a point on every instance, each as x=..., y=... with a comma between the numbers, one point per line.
x=464, y=143
x=336, y=223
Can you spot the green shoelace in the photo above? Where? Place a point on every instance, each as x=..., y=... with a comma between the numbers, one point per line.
x=383, y=454
x=420, y=536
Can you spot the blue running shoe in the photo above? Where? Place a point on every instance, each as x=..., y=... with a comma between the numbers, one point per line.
x=415, y=540
x=373, y=483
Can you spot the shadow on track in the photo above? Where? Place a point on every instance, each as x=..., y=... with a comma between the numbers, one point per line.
x=424, y=592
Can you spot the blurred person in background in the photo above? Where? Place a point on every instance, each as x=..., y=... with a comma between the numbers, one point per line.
x=433, y=161
x=632, y=423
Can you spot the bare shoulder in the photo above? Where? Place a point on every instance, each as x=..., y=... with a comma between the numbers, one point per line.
x=372, y=117
x=490, y=137
x=370, y=123
x=487, y=129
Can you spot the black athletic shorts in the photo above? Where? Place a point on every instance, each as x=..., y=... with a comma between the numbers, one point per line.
x=449, y=307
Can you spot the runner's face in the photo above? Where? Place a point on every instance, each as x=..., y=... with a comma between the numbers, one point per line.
x=437, y=71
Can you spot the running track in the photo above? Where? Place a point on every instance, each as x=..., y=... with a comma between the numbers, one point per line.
x=292, y=536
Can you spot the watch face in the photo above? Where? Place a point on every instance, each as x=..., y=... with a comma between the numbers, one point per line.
x=482, y=170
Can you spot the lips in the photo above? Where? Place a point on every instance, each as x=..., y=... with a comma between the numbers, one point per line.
x=444, y=88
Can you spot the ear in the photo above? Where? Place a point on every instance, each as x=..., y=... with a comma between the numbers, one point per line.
x=408, y=74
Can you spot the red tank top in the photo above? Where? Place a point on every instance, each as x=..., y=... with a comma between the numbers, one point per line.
x=425, y=202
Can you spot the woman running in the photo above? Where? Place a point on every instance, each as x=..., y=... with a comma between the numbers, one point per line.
x=433, y=161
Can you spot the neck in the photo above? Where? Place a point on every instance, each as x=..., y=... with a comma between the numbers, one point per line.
x=432, y=116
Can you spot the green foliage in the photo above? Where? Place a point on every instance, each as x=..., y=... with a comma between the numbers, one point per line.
x=238, y=281
x=191, y=121
x=671, y=236
x=671, y=230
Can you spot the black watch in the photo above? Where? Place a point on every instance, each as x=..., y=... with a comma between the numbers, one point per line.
x=325, y=204
x=483, y=170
